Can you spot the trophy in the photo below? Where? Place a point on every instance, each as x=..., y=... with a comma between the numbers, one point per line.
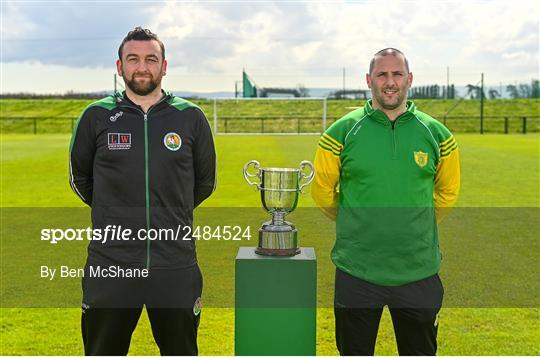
x=279, y=195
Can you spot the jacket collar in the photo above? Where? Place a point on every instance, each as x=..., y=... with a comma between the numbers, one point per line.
x=379, y=116
x=122, y=99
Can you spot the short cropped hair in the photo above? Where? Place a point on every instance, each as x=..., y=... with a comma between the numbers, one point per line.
x=386, y=52
x=140, y=34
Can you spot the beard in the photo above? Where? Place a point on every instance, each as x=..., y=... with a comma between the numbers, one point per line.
x=142, y=87
x=391, y=103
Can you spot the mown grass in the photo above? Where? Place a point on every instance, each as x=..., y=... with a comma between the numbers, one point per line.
x=277, y=116
x=490, y=247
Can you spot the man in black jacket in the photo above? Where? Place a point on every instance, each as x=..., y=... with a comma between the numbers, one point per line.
x=142, y=160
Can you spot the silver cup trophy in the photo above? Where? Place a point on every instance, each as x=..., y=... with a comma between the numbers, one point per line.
x=279, y=195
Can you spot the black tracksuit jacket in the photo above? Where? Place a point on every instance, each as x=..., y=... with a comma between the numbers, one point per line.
x=142, y=170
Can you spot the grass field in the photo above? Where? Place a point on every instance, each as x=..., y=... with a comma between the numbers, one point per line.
x=58, y=115
x=492, y=236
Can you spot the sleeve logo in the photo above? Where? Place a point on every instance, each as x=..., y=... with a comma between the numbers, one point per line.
x=421, y=158
x=119, y=141
x=172, y=141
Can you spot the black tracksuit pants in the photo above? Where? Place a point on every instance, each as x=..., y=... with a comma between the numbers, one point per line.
x=112, y=307
x=414, y=308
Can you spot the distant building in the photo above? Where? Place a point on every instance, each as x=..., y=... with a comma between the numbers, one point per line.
x=348, y=93
x=251, y=90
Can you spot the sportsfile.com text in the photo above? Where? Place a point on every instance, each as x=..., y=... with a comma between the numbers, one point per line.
x=118, y=233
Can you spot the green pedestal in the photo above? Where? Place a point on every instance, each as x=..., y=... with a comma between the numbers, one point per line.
x=276, y=304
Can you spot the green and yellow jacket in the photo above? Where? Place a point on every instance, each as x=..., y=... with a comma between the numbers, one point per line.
x=386, y=184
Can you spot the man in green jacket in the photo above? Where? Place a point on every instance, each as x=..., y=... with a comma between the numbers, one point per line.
x=387, y=173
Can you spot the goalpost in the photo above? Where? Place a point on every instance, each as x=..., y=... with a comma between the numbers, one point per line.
x=269, y=116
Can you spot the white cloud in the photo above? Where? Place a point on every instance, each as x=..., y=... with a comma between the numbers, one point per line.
x=283, y=43
x=16, y=23
x=520, y=58
x=327, y=36
x=69, y=34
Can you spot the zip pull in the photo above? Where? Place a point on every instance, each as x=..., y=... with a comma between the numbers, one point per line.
x=145, y=117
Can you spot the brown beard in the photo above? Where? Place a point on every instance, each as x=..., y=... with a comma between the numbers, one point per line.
x=142, y=88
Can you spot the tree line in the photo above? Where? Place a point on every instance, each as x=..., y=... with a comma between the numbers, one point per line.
x=514, y=91
x=435, y=91
x=66, y=95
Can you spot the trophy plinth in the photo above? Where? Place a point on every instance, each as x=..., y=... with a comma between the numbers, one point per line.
x=279, y=189
x=279, y=239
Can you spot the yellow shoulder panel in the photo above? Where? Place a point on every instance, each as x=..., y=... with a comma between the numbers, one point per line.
x=324, y=186
x=447, y=178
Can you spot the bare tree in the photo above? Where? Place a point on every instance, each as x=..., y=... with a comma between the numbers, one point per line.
x=304, y=92
x=525, y=91
x=512, y=91
x=474, y=91
x=494, y=94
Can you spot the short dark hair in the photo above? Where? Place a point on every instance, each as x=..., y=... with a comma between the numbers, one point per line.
x=140, y=34
x=386, y=52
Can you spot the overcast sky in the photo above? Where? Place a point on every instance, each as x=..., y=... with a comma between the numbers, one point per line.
x=59, y=46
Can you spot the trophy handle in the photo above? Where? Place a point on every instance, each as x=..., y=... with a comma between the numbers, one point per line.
x=309, y=177
x=247, y=175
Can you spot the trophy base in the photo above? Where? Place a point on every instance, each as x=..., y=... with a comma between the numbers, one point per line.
x=278, y=240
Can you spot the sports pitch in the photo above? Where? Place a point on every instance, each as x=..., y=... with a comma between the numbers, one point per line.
x=492, y=235
x=54, y=116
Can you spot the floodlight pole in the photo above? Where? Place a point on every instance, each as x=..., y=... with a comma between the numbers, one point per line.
x=215, y=116
x=447, y=82
x=482, y=105
x=343, y=82
x=236, y=92
x=324, y=115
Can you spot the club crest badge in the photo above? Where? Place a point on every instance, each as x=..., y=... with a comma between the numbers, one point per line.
x=197, y=306
x=172, y=141
x=421, y=158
